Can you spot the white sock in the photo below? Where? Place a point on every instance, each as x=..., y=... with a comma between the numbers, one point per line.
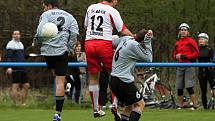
x=94, y=94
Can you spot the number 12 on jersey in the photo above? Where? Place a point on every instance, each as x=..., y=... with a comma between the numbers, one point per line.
x=96, y=23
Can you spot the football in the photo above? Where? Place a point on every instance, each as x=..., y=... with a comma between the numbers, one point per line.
x=49, y=30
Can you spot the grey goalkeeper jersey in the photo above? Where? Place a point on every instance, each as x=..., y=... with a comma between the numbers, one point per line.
x=127, y=53
x=67, y=35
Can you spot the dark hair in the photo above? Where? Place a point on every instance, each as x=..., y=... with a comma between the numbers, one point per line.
x=141, y=35
x=54, y=3
x=109, y=1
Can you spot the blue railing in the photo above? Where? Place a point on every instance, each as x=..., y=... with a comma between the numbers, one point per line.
x=82, y=64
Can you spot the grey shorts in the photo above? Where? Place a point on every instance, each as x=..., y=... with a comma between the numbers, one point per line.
x=185, y=77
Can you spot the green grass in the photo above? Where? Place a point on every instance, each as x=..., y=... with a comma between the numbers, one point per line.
x=20, y=114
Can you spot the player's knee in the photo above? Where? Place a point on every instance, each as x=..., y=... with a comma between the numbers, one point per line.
x=180, y=92
x=139, y=106
x=127, y=110
x=190, y=90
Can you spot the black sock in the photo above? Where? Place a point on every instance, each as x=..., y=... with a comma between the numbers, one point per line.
x=59, y=104
x=124, y=117
x=134, y=116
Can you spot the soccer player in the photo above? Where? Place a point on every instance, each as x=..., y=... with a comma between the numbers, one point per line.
x=56, y=50
x=15, y=53
x=100, y=20
x=129, y=50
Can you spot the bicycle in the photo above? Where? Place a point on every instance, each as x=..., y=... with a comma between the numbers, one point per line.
x=148, y=88
x=211, y=102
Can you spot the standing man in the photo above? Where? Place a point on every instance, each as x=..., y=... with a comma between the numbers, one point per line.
x=15, y=53
x=56, y=50
x=186, y=51
x=100, y=20
x=129, y=50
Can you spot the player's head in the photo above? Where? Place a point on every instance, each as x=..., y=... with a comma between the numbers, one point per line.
x=112, y=2
x=50, y=4
x=16, y=35
x=184, y=30
x=141, y=35
x=203, y=39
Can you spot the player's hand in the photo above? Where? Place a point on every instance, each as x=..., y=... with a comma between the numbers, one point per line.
x=149, y=33
x=9, y=71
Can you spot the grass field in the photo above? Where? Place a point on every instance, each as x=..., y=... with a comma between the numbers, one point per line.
x=85, y=115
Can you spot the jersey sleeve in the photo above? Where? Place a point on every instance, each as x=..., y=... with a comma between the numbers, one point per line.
x=86, y=19
x=117, y=21
x=74, y=25
x=142, y=54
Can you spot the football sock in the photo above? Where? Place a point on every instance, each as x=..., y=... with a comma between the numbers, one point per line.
x=94, y=94
x=124, y=117
x=134, y=116
x=59, y=104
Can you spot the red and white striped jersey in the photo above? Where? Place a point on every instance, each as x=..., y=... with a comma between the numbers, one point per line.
x=100, y=20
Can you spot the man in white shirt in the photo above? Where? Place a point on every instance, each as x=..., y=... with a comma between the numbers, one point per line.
x=15, y=53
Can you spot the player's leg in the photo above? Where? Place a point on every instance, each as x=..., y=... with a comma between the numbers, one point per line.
x=126, y=113
x=117, y=88
x=61, y=69
x=106, y=59
x=137, y=109
x=59, y=65
x=136, y=100
x=93, y=66
x=59, y=93
x=134, y=103
x=103, y=83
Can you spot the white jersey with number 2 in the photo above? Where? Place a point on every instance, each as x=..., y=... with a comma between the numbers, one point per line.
x=100, y=20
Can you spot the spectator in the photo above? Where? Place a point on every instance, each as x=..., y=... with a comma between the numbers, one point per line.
x=186, y=50
x=81, y=57
x=100, y=20
x=73, y=77
x=15, y=53
x=206, y=74
x=56, y=50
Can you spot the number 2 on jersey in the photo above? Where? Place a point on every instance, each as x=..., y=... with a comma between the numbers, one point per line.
x=100, y=19
x=62, y=21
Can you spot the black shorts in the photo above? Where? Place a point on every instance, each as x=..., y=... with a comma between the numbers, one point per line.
x=19, y=77
x=127, y=93
x=58, y=63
